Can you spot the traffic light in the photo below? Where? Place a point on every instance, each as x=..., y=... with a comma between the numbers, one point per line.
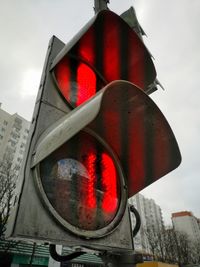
x=96, y=139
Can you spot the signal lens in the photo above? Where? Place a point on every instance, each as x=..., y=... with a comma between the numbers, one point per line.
x=76, y=81
x=82, y=183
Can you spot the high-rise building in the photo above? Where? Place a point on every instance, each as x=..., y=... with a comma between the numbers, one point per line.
x=186, y=222
x=151, y=215
x=13, y=137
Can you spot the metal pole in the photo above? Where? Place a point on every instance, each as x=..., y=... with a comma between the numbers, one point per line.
x=100, y=5
x=123, y=260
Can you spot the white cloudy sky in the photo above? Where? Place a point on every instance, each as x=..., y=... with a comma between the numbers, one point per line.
x=173, y=29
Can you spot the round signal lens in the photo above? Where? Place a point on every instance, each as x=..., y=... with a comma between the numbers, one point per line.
x=76, y=81
x=82, y=182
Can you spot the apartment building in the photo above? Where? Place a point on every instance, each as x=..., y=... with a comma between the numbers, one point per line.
x=13, y=137
x=151, y=215
x=186, y=222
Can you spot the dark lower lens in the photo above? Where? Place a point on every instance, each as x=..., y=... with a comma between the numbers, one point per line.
x=82, y=183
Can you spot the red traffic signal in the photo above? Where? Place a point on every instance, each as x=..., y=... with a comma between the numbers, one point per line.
x=83, y=184
x=107, y=49
x=131, y=125
x=83, y=164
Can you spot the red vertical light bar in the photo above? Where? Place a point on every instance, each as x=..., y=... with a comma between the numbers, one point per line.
x=162, y=147
x=90, y=192
x=112, y=115
x=136, y=61
x=86, y=78
x=86, y=83
x=86, y=47
x=137, y=165
x=111, y=53
x=62, y=74
x=109, y=184
x=87, y=186
x=112, y=71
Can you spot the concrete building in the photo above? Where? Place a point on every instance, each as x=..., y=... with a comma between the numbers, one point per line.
x=13, y=137
x=151, y=215
x=186, y=222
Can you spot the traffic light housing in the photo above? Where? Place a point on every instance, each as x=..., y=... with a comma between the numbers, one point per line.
x=96, y=139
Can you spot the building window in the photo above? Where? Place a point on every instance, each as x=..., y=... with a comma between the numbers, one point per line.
x=17, y=130
x=14, y=135
x=19, y=160
x=17, y=167
x=5, y=123
x=12, y=143
x=18, y=120
x=21, y=152
x=17, y=124
x=22, y=145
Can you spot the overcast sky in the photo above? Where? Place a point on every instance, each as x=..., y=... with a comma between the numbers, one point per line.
x=173, y=30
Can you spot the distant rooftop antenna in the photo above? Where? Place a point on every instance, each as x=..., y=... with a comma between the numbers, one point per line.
x=100, y=5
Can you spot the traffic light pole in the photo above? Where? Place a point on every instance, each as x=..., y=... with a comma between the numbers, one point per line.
x=121, y=260
x=100, y=5
x=125, y=260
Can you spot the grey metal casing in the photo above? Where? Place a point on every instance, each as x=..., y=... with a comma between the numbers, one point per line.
x=31, y=220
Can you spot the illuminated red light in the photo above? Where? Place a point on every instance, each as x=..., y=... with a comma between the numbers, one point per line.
x=86, y=47
x=62, y=74
x=90, y=195
x=82, y=184
x=109, y=183
x=76, y=81
x=137, y=56
x=86, y=83
x=111, y=53
x=109, y=50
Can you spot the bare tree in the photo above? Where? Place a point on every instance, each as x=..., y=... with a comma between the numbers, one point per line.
x=7, y=188
x=184, y=248
x=195, y=252
x=161, y=249
x=172, y=246
x=157, y=237
x=152, y=237
x=8, y=179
